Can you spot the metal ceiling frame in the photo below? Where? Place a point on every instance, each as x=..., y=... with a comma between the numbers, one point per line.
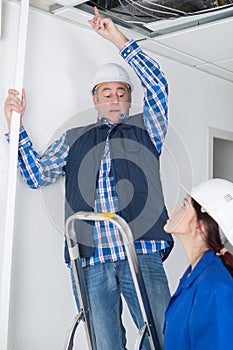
x=172, y=27
x=149, y=30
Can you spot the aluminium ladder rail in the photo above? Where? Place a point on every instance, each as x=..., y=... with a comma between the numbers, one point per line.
x=85, y=313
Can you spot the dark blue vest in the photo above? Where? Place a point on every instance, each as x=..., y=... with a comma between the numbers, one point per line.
x=135, y=164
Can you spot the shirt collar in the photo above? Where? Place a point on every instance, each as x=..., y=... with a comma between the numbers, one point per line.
x=105, y=121
x=190, y=275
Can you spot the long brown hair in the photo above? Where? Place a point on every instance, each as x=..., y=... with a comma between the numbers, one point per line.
x=213, y=238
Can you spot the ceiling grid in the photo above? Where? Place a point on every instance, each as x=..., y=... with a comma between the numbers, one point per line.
x=201, y=38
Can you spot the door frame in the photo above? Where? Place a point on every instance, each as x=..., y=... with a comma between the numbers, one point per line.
x=219, y=134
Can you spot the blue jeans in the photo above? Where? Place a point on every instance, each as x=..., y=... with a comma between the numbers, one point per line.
x=107, y=282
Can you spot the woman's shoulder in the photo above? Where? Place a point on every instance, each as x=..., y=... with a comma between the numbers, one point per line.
x=215, y=276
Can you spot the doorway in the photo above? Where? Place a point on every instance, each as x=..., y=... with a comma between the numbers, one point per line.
x=220, y=154
x=221, y=161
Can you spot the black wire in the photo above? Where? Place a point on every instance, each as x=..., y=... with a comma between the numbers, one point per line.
x=179, y=12
x=94, y=3
x=146, y=15
x=133, y=6
x=219, y=8
x=163, y=12
x=131, y=15
x=128, y=13
x=139, y=16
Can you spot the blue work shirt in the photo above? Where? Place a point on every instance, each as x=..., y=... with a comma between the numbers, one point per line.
x=200, y=313
x=44, y=170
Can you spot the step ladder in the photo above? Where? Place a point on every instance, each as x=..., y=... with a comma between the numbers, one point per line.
x=85, y=311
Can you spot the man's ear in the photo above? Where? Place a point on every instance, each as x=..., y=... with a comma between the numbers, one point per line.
x=130, y=100
x=95, y=100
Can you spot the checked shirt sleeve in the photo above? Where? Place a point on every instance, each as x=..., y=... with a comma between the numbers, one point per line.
x=41, y=171
x=155, y=91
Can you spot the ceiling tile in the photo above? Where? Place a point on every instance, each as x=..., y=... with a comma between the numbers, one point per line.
x=159, y=48
x=74, y=15
x=70, y=2
x=217, y=71
x=210, y=42
x=228, y=64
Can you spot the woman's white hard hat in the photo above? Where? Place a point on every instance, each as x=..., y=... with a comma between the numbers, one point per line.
x=216, y=197
x=111, y=72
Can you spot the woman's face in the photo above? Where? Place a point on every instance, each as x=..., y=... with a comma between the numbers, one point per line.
x=182, y=218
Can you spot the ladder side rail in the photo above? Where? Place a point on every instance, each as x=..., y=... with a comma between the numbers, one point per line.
x=80, y=282
x=138, y=280
x=70, y=340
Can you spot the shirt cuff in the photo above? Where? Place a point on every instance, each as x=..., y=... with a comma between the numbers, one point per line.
x=23, y=137
x=129, y=50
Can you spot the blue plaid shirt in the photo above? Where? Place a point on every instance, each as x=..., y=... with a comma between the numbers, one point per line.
x=41, y=171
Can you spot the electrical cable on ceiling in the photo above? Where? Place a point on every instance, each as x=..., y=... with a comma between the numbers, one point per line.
x=133, y=4
x=202, y=12
x=145, y=15
x=126, y=11
x=165, y=7
x=137, y=9
x=138, y=5
x=191, y=3
x=113, y=11
x=216, y=9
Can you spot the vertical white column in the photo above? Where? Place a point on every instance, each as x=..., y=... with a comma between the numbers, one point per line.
x=12, y=173
x=0, y=18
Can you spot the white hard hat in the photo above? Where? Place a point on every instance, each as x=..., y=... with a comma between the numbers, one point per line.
x=216, y=197
x=111, y=72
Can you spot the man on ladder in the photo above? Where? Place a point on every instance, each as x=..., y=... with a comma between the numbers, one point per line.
x=113, y=166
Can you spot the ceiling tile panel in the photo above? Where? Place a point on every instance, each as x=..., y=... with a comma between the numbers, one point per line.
x=228, y=64
x=217, y=71
x=74, y=15
x=210, y=42
x=158, y=48
x=70, y=2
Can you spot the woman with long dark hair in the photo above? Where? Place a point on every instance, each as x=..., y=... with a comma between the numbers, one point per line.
x=200, y=313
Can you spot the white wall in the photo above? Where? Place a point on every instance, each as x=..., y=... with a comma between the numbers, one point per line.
x=60, y=61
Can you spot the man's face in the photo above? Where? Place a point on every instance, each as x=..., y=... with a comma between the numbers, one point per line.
x=111, y=100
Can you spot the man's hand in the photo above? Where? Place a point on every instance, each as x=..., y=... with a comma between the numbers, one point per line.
x=13, y=103
x=107, y=29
